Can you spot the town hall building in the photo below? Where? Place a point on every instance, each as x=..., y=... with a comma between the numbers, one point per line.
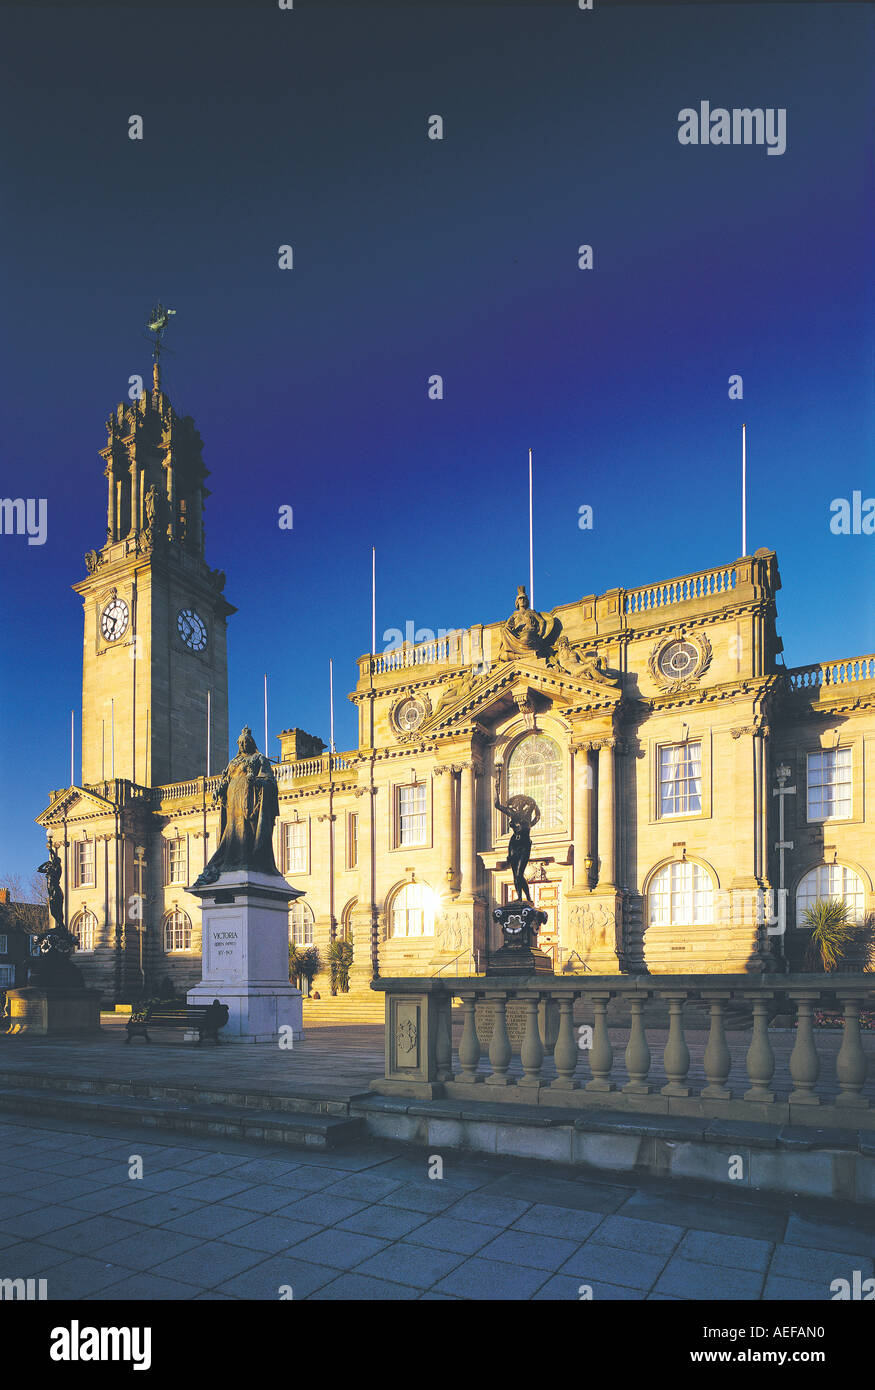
x=656, y=728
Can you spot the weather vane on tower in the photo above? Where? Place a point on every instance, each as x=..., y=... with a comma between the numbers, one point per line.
x=157, y=324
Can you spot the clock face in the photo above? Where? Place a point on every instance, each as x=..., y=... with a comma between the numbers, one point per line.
x=114, y=620
x=192, y=629
x=409, y=715
x=678, y=661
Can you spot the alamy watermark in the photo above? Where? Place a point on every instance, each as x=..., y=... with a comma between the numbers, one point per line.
x=21, y=516
x=741, y=125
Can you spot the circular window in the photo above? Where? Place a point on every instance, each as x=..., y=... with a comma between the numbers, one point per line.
x=678, y=660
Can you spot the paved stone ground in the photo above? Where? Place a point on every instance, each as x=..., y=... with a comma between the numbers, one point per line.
x=219, y=1219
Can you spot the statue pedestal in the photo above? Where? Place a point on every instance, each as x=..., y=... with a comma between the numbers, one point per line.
x=52, y=1010
x=518, y=955
x=245, y=946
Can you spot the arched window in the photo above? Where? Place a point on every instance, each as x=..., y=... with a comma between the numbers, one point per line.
x=177, y=931
x=85, y=927
x=300, y=923
x=681, y=894
x=831, y=881
x=534, y=769
x=413, y=911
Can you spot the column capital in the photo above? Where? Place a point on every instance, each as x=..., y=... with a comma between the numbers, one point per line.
x=365, y=791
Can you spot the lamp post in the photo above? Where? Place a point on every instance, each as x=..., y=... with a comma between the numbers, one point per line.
x=783, y=772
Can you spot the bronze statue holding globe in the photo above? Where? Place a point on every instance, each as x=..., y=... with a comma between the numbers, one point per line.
x=519, y=920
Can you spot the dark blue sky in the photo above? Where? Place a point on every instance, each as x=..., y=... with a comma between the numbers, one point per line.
x=414, y=257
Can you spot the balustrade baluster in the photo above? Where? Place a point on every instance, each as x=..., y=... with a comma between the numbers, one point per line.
x=760, y=1057
x=499, y=1046
x=601, y=1056
x=851, y=1061
x=637, y=1051
x=717, y=1057
x=565, y=1052
x=532, y=1050
x=676, y=1058
x=804, y=1061
x=469, y=1043
x=443, y=1050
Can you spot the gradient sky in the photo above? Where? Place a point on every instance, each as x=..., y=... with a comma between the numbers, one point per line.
x=413, y=257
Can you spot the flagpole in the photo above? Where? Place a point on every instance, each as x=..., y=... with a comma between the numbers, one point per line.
x=744, y=489
x=72, y=748
x=266, y=753
x=373, y=600
x=209, y=713
x=331, y=699
x=112, y=738
x=531, y=548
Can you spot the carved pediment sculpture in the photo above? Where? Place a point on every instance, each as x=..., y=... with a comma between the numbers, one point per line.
x=584, y=666
x=526, y=632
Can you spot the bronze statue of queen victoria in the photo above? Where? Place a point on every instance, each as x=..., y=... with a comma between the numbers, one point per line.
x=249, y=801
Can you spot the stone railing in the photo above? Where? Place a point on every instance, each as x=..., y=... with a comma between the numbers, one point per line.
x=313, y=767
x=446, y=649
x=852, y=668
x=691, y=586
x=512, y=1026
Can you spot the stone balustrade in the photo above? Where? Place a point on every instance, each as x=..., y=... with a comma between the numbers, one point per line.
x=691, y=586
x=525, y=1020
x=848, y=669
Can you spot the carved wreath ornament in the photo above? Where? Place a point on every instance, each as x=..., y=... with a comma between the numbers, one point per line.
x=679, y=660
x=409, y=713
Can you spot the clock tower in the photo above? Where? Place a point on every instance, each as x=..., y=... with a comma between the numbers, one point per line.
x=155, y=643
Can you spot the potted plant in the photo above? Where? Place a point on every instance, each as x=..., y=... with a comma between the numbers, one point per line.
x=304, y=964
x=832, y=937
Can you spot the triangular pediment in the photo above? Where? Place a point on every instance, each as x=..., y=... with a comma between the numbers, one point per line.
x=513, y=685
x=73, y=803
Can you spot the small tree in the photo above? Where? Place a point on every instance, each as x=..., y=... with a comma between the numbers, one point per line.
x=832, y=934
x=340, y=959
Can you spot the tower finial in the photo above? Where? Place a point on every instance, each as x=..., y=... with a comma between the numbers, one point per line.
x=156, y=377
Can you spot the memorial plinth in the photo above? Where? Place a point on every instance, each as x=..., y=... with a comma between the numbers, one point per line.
x=245, y=948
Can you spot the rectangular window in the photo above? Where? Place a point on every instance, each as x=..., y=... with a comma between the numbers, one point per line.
x=294, y=844
x=4, y=945
x=680, y=779
x=7, y=974
x=177, y=861
x=829, y=784
x=83, y=863
x=34, y=946
x=352, y=840
x=411, y=814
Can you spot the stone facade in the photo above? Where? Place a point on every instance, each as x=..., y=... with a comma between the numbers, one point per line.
x=649, y=724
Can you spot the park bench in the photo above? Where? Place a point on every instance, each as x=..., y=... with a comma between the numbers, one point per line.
x=203, y=1019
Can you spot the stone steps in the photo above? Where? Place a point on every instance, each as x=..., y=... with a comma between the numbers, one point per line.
x=296, y=1121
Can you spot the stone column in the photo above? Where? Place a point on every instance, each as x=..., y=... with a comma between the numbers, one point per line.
x=582, y=812
x=135, y=503
x=606, y=815
x=111, y=515
x=363, y=968
x=468, y=830
x=446, y=827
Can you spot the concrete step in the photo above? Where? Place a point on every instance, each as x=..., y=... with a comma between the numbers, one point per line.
x=311, y=1131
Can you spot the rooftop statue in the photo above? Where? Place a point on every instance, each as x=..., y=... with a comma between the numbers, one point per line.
x=249, y=801
x=526, y=632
